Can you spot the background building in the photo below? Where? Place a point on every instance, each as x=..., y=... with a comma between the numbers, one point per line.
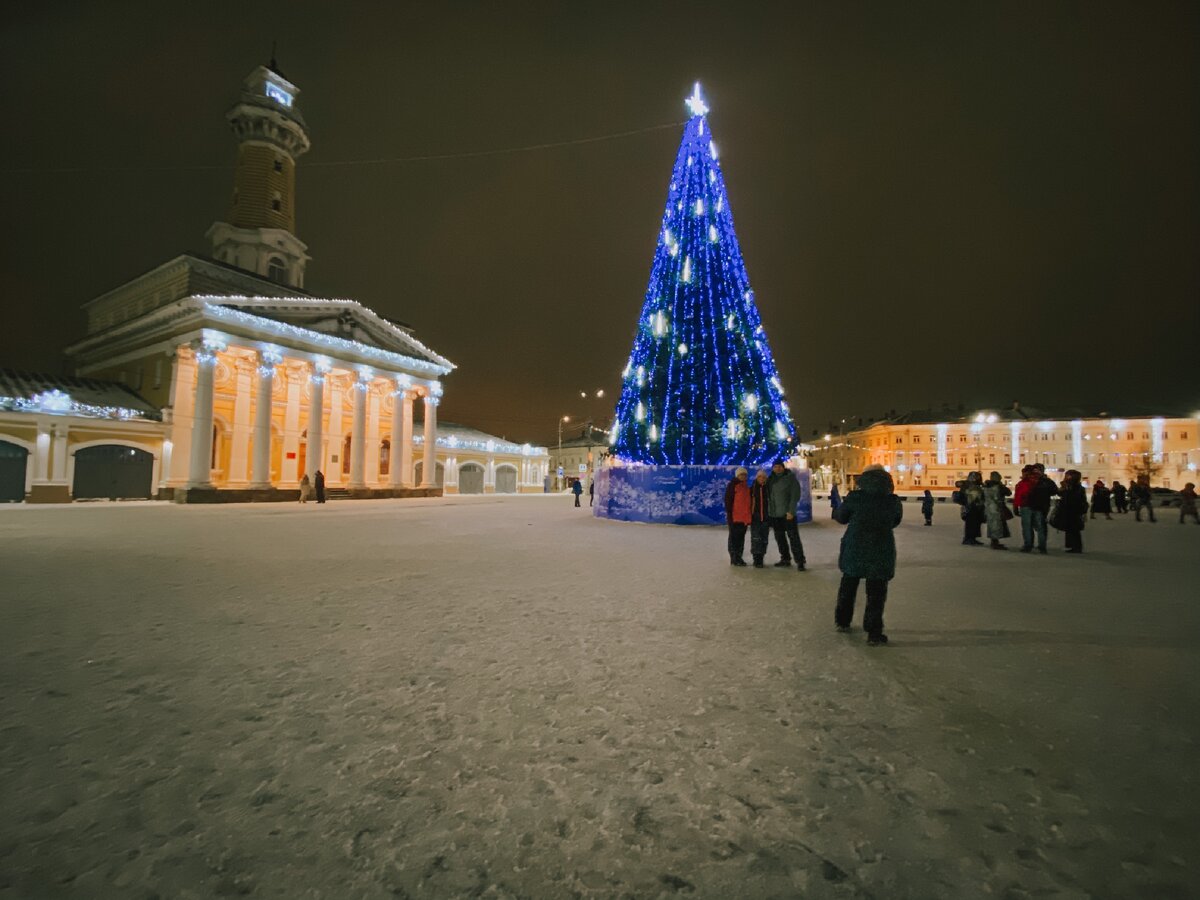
x=579, y=455
x=934, y=449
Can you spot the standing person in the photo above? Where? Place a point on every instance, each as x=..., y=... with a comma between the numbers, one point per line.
x=737, y=515
x=577, y=490
x=784, y=488
x=1142, y=499
x=1187, y=503
x=868, y=550
x=995, y=510
x=760, y=520
x=1043, y=490
x=835, y=500
x=319, y=484
x=1100, y=500
x=927, y=507
x=305, y=489
x=1072, y=510
x=971, y=497
x=592, y=491
x=1119, y=498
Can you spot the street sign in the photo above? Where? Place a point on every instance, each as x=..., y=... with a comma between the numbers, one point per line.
x=560, y=471
x=582, y=468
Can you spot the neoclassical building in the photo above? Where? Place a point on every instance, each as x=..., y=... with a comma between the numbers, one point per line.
x=934, y=449
x=221, y=379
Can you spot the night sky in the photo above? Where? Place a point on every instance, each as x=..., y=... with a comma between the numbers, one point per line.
x=974, y=203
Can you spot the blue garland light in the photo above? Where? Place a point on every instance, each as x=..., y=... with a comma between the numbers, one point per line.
x=701, y=386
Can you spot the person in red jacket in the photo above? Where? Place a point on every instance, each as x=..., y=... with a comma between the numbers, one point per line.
x=737, y=515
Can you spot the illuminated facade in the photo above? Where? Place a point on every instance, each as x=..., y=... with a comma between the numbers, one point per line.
x=928, y=450
x=220, y=379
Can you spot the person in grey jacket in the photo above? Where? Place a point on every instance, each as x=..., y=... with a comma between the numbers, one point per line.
x=783, y=490
x=868, y=550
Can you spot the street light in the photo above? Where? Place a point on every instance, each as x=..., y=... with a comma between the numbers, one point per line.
x=558, y=465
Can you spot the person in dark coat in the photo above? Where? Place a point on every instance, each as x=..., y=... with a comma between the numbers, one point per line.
x=592, y=491
x=319, y=484
x=1072, y=510
x=970, y=495
x=1141, y=498
x=1100, y=500
x=868, y=550
x=784, y=489
x=737, y=515
x=927, y=507
x=1119, y=497
x=835, y=500
x=1187, y=503
x=577, y=490
x=760, y=520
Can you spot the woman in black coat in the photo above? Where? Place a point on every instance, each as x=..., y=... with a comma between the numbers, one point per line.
x=1101, y=502
x=1071, y=510
x=868, y=550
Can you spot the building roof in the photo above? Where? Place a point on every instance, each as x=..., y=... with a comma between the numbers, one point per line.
x=67, y=395
x=452, y=435
x=1015, y=413
x=589, y=436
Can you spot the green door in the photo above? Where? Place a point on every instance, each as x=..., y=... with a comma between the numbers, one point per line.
x=13, y=460
x=113, y=472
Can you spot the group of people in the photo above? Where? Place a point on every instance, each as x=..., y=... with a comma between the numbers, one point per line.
x=868, y=549
x=314, y=489
x=985, y=503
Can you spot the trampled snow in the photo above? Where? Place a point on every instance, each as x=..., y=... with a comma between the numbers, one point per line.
x=506, y=697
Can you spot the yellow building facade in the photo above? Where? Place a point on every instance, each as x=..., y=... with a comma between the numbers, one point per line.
x=926, y=451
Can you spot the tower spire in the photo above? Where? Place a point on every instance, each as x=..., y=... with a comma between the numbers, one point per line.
x=259, y=232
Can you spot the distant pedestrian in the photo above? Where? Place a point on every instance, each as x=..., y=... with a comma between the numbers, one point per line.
x=785, y=492
x=927, y=507
x=760, y=519
x=1120, y=498
x=1141, y=498
x=1101, y=499
x=1071, y=512
x=835, y=500
x=577, y=490
x=305, y=489
x=737, y=515
x=319, y=485
x=995, y=510
x=1187, y=503
x=1041, y=491
x=592, y=491
x=868, y=550
x=970, y=496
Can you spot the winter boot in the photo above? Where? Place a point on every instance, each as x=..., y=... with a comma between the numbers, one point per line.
x=784, y=564
x=758, y=562
x=876, y=639
x=739, y=561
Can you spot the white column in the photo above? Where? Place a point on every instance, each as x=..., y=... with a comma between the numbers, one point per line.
x=406, y=438
x=260, y=476
x=240, y=446
x=289, y=472
x=333, y=475
x=374, y=438
x=358, y=434
x=200, y=465
x=183, y=397
x=315, y=456
x=41, y=453
x=429, y=460
x=58, y=466
x=401, y=436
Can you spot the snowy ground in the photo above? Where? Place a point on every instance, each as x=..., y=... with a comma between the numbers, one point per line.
x=504, y=697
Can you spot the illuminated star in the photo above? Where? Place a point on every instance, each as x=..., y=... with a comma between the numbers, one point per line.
x=695, y=103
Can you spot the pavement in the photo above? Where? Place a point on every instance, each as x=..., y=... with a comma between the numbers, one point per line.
x=505, y=697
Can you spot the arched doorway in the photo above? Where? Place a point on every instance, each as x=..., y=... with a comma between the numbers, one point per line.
x=470, y=478
x=114, y=472
x=385, y=457
x=13, y=461
x=506, y=480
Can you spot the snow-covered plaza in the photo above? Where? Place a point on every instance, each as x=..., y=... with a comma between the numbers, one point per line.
x=506, y=697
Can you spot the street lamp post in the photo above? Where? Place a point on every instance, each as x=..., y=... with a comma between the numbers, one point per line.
x=558, y=459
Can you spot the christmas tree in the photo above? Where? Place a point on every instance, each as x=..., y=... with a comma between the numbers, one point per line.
x=700, y=387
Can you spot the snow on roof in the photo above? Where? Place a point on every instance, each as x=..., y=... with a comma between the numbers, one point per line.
x=22, y=391
x=454, y=435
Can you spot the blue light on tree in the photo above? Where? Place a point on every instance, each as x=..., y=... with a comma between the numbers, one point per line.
x=700, y=387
